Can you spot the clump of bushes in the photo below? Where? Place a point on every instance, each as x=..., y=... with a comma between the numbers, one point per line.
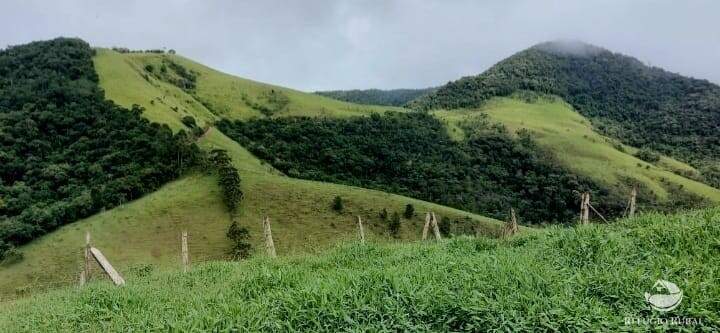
x=239, y=236
x=338, y=204
x=409, y=211
x=383, y=214
x=190, y=122
x=9, y=255
x=142, y=270
x=647, y=155
x=444, y=226
x=229, y=179
x=394, y=225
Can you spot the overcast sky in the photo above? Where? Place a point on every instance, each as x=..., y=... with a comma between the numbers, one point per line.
x=324, y=44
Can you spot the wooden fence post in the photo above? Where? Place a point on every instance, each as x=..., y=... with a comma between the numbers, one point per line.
x=184, y=249
x=633, y=197
x=85, y=276
x=91, y=252
x=427, y=225
x=105, y=264
x=436, y=229
x=511, y=227
x=582, y=206
x=598, y=213
x=269, y=244
x=362, y=232
x=586, y=208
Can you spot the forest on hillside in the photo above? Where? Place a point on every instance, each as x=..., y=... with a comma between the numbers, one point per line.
x=66, y=152
x=393, y=97
x=412, y=154
x=642, y=106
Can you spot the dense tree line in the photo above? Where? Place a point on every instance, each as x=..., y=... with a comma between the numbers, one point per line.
x=228, y=179
x=642, y=106
x=394, y=97
x=127, y=50
x=66, y=152
x=412, y=154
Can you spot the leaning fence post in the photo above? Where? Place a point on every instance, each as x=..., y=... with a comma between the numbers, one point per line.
x=269, y=244
x=91, y=252
x=105, y=264
x=427, y=225
x=512, y=226
x=184, y=249
x=436, y=229
x=598, y=213
x=362, y=232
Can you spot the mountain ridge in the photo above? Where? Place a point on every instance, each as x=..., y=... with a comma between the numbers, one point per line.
x=180, y=95
x=642, y=106
x=390, y=97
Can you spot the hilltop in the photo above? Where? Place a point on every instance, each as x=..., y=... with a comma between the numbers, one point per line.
x=645, y=107
x=170, y=87
x=392, y=97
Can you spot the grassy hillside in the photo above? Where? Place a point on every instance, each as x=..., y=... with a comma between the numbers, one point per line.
x=122, y=77
x=145, y=231
x=67, y=153
x=556, y=126
x=412, y=154
x=580, y=279
x=127, y=81
x=645, y=107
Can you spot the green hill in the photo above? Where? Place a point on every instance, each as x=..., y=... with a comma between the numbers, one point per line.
x=581, y=279
x=413, y=154
x=556, y=126
x=139, y=78
x=459, y=158
x=644, y=107
x=455, y=190
x=145, y=231
x=67, y=153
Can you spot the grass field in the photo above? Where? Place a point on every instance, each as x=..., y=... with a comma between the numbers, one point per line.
x=556, y=126
x=146, y=231
x=224, y=91
x=579, y=279
x=122, y=76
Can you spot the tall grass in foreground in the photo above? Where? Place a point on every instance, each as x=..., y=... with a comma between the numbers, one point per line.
x=580, y=279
